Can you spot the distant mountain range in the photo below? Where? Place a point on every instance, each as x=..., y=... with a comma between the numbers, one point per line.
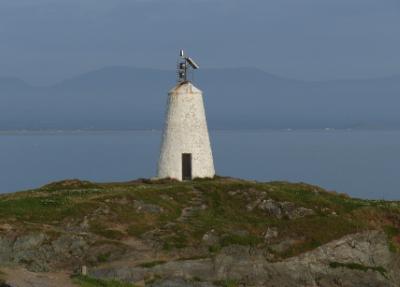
x=237, y=98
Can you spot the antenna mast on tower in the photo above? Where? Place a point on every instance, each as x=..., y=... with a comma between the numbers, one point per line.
x=184, y=65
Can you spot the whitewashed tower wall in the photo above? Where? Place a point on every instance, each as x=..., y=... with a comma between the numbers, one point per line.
x=185, y=131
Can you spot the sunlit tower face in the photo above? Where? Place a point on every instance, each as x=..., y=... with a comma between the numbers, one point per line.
x=186, y=150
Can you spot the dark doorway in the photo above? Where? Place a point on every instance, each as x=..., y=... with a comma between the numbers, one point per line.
x=186, y=166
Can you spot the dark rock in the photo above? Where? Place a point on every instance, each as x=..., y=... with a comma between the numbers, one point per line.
x=270, y=234
x=140, y=206
x=210, y=238
x=70, y=245
x=5, y=249
x=280, y=209
x=271, y=207
x=28, y=250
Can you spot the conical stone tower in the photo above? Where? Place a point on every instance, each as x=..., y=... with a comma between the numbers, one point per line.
x=185, y=149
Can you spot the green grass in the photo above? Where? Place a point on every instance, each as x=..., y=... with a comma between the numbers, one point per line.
x=214, y=248
x=227, y=283
x=111, y=214
x=233, y=239
x=38, y=207
x=103, y=257
x=175, y=241
x=392, y=233
x=151, y=264
x=2, y=278
x=315, y=231
x=229, y=213
x=356, y=266
x=101, y=229
x=86, y=281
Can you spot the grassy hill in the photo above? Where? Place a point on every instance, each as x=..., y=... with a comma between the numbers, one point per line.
x=178, y=215
x=150, y=230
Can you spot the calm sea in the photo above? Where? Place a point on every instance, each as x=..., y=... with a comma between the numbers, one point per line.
x=361, y=163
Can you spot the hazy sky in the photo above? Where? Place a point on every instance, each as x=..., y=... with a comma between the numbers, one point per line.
x=43, y=41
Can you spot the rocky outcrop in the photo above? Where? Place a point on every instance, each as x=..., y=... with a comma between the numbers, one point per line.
x=279, y=209
x=361, y=259
x=356, y=260
x=39, y=253
x=140, y=206
x=220, y=232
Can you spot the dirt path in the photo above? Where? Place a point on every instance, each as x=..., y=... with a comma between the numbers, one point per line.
x=19, y=277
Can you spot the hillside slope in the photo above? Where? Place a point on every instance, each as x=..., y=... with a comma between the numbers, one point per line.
x=220, y=232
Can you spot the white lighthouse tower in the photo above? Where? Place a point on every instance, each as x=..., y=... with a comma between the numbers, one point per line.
x=186, y=149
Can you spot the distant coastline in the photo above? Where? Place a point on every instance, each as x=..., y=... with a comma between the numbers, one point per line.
x=128, y=98
x=102, y=131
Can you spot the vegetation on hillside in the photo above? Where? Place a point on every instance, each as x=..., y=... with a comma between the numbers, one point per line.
x=86, y=281
x=2, y=278
x=286, y=218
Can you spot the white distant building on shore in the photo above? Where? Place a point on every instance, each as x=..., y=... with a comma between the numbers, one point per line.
x=185, y=149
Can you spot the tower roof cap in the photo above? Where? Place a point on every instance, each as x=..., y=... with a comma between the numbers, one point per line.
x=185, y=88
